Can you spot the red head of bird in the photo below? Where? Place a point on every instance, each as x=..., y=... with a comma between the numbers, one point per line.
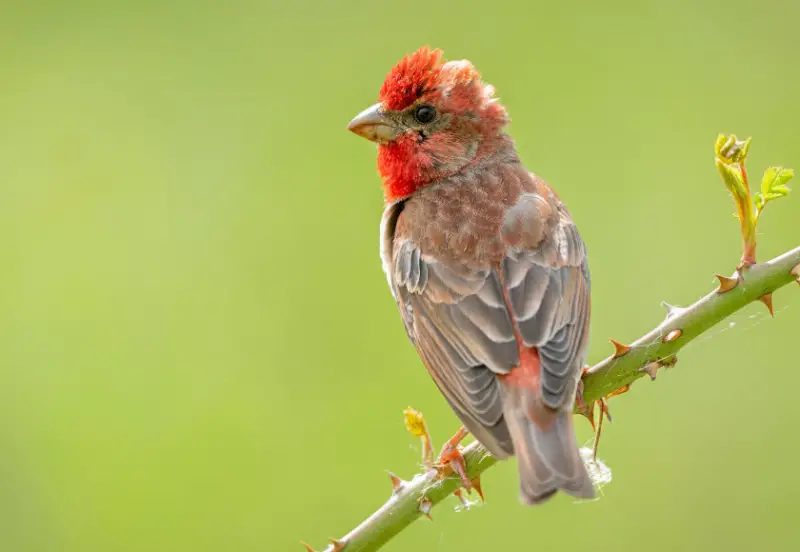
x=432, y=119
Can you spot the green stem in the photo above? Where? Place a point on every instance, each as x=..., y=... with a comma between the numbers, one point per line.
x=403, y=507
x=756, y=280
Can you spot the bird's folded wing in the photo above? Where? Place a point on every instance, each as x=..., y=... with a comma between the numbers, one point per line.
x=549, y=293
x=460, y=322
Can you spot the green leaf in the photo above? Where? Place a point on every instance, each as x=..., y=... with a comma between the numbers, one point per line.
x=774, y=181
x=773, y=186
x=770, y=197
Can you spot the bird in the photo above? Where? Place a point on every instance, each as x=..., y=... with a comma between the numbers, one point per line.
x=486, y=265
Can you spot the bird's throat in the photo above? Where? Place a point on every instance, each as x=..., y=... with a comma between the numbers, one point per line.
x=406, y=165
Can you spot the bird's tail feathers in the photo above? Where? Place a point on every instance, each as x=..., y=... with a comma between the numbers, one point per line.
x=547, y=454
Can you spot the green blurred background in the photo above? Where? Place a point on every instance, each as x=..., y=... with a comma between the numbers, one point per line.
x=198, y=350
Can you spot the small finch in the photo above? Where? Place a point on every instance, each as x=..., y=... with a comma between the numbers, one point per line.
x=486, y=265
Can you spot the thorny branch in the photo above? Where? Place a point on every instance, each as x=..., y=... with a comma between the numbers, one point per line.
x=614, y=375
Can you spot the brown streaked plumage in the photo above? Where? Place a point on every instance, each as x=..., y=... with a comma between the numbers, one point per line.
x=487, y=267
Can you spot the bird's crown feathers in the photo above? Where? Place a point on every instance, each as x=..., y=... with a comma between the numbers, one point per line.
x=424, y=74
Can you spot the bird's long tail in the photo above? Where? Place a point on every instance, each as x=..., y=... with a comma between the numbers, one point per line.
x=548, y=456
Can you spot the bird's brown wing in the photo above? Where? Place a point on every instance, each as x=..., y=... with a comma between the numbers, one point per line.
x=459, y=323
x=460, y=320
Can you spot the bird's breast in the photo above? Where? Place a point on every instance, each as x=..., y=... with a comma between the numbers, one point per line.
x=461, y=219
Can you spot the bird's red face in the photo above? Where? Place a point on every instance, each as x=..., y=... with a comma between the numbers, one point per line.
x=432, y=120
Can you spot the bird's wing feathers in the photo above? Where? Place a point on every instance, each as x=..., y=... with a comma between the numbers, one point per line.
x=459, y=320
x=462, y=330
x=548, y=290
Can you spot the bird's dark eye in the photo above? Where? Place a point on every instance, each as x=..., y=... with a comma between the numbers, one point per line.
x=425, y=114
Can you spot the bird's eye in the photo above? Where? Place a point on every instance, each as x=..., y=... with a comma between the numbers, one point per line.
x=425, y=114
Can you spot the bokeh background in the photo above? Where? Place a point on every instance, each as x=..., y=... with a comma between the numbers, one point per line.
x=198, y=350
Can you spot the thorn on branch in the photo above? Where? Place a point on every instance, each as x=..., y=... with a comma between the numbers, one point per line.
x=624, y=389
x=338, y=545
x=588, y=413
x=397, y=483
x=619, y=348
x=727, y=283
x=425, y=506
x=673, y=335
x=767, y=300
x=651, y=369
x=308, y=547
x=476, y=484
x=796, y=273
x=672, y=310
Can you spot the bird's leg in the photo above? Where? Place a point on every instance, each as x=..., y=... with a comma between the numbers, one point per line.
x=604, y=413
x=451, y=460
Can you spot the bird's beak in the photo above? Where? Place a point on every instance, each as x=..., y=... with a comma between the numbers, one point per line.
x=373, y=125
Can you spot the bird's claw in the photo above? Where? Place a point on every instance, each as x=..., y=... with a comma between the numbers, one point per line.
x=451, y=460
x=604, y=412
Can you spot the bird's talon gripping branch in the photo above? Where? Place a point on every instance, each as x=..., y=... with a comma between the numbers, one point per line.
x=587, y=410
x=604, y=412
x=415, y=423
x=451, y=460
